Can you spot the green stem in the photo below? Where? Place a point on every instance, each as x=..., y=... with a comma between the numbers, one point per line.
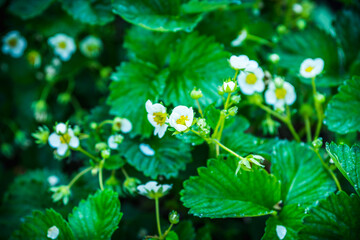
x=259, y=40
x=158, y=216
x=124, y=172
x=83, y=151
x=227, y=149
x=167, y=231
x=329, y=170
x=101, y=164
x=79, y=176
x=308, y=128
x=318, y=108
x=108, y=121
x=199, y=107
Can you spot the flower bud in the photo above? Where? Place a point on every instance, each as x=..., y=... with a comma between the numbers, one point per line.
x=255, y=99
x=174, y=217
x=279, y=82
x=41, y=135
x=220, y=90
x=77, y=130
x=34, y=58
x=233, y=111
x=301, y=24
x=320, y=98
x=64, y=98
x=281, y=29
x=229, y=87
x=317, y=143
x=274, y=58
x=130, y=184
x=100, y=146
x=93, y=125
x=306, y=110
x=196, y=94
x=236, y=99
x=105, y=153
x=61, y=192
x=105, y=72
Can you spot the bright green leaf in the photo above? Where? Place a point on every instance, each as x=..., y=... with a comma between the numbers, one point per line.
x=295, y=47
x=169, y=157
x=185, y=230
x=157, y=15
x=134, y=83
x=172, y=236
x=336, y=217
x=218, y=193
x=287, y=224
x=199, y=6
x=25, y=10
x=343, y=111
x=347, y=160
x=90, y=12
x=114, y=162
x=303, y=178
x=39, y=224
x=97, y=217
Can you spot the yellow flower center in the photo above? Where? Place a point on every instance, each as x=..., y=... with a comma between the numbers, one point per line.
x=62, y=45
x=65, y=138
x=182, y=120
x=309, y=69
x=12, y=42
x=251, y=78
x=280, y=93
x=159, y=118
x=92, y=47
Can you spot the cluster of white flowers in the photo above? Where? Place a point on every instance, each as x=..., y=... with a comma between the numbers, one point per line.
x=63, y=138
x=153, y=189
x=181, y=118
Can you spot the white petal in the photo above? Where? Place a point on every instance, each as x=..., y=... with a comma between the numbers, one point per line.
x=53, y=232
x=141, y=189
x=156, y=130
x=270, y=97
x=150, y=118
x=111, y=142
x=319, y=65
x=152, y=186
x=281, y=231
x=74, y=142
x=166, y=187
x=62, y=149
x=53, y=180
x=126, y=125
x=162, y=130
x=54, y=140
x=61, y=128
x=251, y=66
x=259, y=86
x=148, y=106
x=146, y=149
x=180, y=127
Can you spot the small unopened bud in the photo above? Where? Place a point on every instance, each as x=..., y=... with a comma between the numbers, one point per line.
x=100, y=146
x=220, y=90
x=130, y=184
x=320, y=98
x=255, y=99
x=274, y=58
x=233, y=111
x=306, y=110
x=301, y=24
x=174, y=217
x=93, y=125
x=229, y=87
x=317, y=143
x=77, y=130
x=105, y=154
x=196, y=94
x=64, y=98
x=281, y=29
x=41, y=135
x=236, y=99
x=105, y=72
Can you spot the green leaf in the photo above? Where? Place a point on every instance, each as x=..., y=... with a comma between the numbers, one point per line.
x=185, y=230
x=135, y=83
x=343, y=111
x=24, y=10
x=347, y=26
x=196, y=61
x=336, y=217
x=218, y=193
x=157, y=15
x=199, y=6
x=295, y=47
x=38, y=225
x=170, y=156
x=287, y=222
x=303, y=178
x=97, y=217
x=91, y=12
x=172, y=236
x=347, y=160
x=114, y=162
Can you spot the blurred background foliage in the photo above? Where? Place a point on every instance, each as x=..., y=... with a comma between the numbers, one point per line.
x=141, y=61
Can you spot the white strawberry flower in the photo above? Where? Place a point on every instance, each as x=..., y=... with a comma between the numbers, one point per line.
x=64, y=46
x=251, y=81
x=229, y=87
x=157, y=117
x=240, y=38
x=278, y=96
x=153, y=189
x=242, y=62
x=181, y=118
x=62, y=139
x=91, y=46
x=14, y=44
x=122, y=124
x=311, y=67
x=53, y=232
